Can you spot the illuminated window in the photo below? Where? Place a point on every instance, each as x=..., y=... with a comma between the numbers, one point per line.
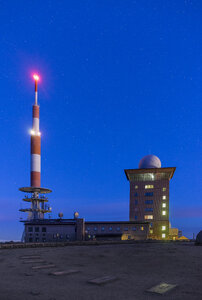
x=163, y=212
x=151, y=231
x=152, y=176
x=142, y=228
x=163, y=228
x=102, y=228
x=164, y=205
x=149, y=186
x=136, y=187
x=163, y=235
x=164, y=189
x=148, y=217
x=164, y=197
x=110, y=228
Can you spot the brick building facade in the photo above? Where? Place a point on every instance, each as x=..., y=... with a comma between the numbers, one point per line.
x=149, y=197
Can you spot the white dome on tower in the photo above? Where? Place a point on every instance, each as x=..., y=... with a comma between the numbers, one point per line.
x=149, y=161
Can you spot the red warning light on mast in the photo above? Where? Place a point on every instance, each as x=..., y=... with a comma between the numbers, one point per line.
x=36, y=77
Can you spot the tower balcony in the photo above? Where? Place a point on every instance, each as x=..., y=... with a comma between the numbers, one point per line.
x=41, y=210
x=33, y=198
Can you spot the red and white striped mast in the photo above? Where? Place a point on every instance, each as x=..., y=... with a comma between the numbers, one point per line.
x=38, y=207
x=35, y=141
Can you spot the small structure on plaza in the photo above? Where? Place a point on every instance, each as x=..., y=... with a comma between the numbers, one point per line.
x=199, y=238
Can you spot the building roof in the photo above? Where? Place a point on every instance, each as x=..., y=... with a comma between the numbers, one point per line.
x=50, y=222
x=73, y=221
x=131, y=173
x=117, y=222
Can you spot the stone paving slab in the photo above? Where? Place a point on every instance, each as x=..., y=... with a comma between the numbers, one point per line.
x=35, y=293
x=28, y=274
x=30, y=257
x=162, y=288
x=102, y=280
x=43, y=267
x=31, y=261
x=59, y=273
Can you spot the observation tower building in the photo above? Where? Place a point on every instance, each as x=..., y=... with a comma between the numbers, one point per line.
x=35, y=194
x=149, y=195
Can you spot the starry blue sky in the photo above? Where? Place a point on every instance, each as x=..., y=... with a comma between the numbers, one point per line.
x=119, y=80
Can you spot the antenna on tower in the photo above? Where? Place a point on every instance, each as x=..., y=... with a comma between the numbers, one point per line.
x=36, y=79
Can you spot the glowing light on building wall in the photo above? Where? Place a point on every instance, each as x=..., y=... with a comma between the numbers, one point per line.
x=149, y=186
x=152, y=176
x=163, y=212
x=164, y=197
x=163, y=227
x=163, y=235
x=148, y=217
x=164, y=205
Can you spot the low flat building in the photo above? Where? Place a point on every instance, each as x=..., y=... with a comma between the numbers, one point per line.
x=122, y=230
x=64, y=230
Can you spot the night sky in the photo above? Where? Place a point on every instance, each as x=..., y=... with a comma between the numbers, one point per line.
x=119, y=80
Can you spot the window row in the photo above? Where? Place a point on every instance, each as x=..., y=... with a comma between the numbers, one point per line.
x=61, y=236
x=150, y=186
x=36, y=234
x=150, y=194
x=149, y=209
x=117, y=228
x=148, y=217
x=36, y=229
x=149, y=202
